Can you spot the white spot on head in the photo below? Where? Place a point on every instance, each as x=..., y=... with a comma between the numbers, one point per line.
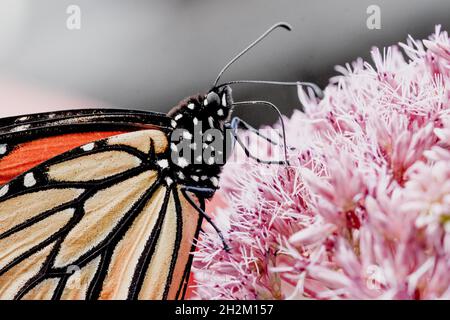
x=3, y=148
x=214, y=181
x=187, y=135
x=163, y=163
x=173, y=123
x=182, y=162
x=195, y=121
x=4, y=190
x=88, y=147
x=180, y=175
x=191, y=106
x=211, y=122
x=195, y=178
x=220, y=112
x=224, y=100
x=178, y=117
x=29, y=180
x=169, y=181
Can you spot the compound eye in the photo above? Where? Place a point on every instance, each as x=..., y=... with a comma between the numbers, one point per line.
x=212, y=98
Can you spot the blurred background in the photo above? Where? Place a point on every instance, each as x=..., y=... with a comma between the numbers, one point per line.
x=148, y=55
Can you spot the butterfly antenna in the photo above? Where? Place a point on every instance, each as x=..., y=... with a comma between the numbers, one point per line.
x=283, y=25
x=317, y=91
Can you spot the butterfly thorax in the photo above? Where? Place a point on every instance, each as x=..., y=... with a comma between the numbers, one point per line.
x=197, y=141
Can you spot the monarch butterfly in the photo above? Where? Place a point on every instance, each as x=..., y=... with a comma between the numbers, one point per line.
x=105, y=210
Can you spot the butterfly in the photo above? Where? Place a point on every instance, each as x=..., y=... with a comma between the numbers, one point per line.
x=106, y=203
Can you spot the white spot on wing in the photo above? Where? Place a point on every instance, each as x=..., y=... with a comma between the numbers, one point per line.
x=195, y=178
x=191, y=106
x=3, y=148
x=220, y=112
x=4, y=190
x=20, y=128
x=210, y=160
x=178, y=117
x=22, y=119
x=173, y=147
x=173, y=123
x=163, y=163
x=88, y=147
x=169, y=181
x=195, y=121
x=193, y=146
x=224, y=100
x=29, y=180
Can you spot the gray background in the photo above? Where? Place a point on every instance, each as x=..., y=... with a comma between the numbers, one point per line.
x=150, y=54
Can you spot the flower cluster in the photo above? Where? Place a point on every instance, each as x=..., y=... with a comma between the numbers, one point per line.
x=363, y=209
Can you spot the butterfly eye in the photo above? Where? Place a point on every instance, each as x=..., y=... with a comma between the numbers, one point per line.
x=212, y=98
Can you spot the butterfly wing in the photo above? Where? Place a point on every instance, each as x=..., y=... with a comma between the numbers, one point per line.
x=26, y=141
x=97, y=222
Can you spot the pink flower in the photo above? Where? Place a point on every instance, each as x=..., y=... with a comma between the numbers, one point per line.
x=363, y=210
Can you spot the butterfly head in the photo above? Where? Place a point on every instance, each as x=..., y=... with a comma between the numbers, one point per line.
x=213, y=109
x=218, y=103
x=197, y=141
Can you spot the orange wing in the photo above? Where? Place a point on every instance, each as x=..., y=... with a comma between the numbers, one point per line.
x=102, y=221
x=27, y=155
x=27, y=141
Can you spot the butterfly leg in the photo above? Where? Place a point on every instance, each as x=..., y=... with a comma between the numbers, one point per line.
x=237, y=123
x=234, y=125
x=203, y=193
